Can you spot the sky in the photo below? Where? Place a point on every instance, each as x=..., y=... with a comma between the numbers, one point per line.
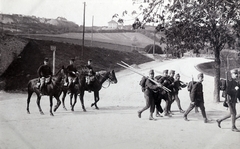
x=97, y=12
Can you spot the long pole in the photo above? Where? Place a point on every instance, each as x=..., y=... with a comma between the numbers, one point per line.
x=154, y=43
x=92, y=31
x=84, y=3
x=53, y=48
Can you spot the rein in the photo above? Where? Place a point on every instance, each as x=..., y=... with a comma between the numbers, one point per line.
x=109, y=82
x=108, y=85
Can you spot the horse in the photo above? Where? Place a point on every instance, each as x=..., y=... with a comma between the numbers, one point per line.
x=51, y=89
x=73, y=91
x=100, y=78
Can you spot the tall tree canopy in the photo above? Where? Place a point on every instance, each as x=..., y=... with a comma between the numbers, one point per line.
x=193, y=24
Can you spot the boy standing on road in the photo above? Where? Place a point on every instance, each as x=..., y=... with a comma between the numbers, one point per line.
x=197, y=99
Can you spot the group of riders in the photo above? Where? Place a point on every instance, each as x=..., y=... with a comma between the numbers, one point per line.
x=45, y=74
x=154, y=89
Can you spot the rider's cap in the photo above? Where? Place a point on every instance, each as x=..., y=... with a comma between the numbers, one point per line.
x=46, y=59
x=235, y=71
x=72, y=59
x=165, y=71
x=151, y=71
x=200, y=75
x=172, y=71
x=90, y=60
x=177, y=75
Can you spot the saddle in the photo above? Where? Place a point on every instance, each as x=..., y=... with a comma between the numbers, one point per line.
x=46, y=82
x=90, y=79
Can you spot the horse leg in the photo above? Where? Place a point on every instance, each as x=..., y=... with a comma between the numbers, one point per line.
x=82, y=101
x=96, y=99
x=38, y=103
x=51, y=104
x=75, y=101
x=72, y=103
x=58, y=103
x=28, y=100
x=63, y=100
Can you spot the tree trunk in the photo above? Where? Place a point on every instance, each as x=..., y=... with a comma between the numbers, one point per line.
x=217, y=75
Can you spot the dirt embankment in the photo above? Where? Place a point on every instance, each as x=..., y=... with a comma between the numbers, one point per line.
x=24, y=66
x=10, y=48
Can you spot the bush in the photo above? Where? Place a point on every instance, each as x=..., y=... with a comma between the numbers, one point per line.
x=149, y=49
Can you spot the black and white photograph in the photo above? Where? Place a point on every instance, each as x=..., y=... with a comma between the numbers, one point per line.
x=119, y=74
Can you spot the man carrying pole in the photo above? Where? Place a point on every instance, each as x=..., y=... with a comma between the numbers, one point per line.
x=149, y=91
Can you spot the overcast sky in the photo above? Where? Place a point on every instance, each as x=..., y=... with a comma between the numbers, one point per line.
x=72, y=10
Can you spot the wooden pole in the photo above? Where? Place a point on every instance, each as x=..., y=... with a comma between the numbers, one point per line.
x=53, y=48
x=92, y=31
x=83, y=27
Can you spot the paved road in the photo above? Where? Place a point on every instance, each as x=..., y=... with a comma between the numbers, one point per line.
x=116, y=124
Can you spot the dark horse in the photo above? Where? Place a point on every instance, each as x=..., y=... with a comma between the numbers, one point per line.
x=73, y=91
x=96, y=86
x=51, y=89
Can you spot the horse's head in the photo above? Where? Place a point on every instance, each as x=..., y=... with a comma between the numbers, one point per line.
x=112, y=77
x=60, y=74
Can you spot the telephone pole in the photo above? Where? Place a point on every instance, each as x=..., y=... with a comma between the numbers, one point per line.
x=84, y=3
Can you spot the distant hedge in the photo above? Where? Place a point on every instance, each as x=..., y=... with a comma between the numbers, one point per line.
x=149, y=49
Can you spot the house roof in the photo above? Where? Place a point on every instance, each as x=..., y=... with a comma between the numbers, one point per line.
x=112, y=21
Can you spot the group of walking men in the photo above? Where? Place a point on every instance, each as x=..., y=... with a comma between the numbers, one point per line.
x=45, y=72
x=154, y=93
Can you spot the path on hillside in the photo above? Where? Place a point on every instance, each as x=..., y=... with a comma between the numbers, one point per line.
x=116, y=124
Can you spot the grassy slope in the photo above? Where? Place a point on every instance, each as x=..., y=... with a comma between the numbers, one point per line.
x=127, y=38
x=24, y=68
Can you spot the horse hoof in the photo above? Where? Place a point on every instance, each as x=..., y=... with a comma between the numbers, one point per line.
x=51, y=114
x=92, y=104
x=55, y=109
x=97, y=108
x=41, y=113
x=28, y=112
x=72, y=109
x=65, y=108
x=84, y=110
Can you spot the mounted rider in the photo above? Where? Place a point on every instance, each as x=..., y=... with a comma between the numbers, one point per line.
x=71, y=74
x=90, y=78
x=45, y=74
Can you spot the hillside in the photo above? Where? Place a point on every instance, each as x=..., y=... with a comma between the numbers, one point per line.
x=25, y=65
x=18, y=23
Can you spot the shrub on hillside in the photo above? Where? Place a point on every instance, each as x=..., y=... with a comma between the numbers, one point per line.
x=149, y=49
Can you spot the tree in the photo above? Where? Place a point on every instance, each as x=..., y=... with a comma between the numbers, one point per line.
x=195, y=24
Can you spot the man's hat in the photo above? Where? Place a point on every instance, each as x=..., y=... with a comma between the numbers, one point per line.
x=235, y=71
x=46, y=59
x=172, y=71
x=177, y=75
x=90, y=60
x=200, y=75
x=72, y=59
x=165, y=71
x=151, y=71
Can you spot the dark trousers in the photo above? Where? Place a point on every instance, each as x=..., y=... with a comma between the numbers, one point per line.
x=148, y=95
x=158, y=105
x=232, y=113
x=200, y=105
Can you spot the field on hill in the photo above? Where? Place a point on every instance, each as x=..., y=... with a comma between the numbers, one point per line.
x=129, y=40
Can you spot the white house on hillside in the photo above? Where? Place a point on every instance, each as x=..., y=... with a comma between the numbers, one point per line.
x=112, y=24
